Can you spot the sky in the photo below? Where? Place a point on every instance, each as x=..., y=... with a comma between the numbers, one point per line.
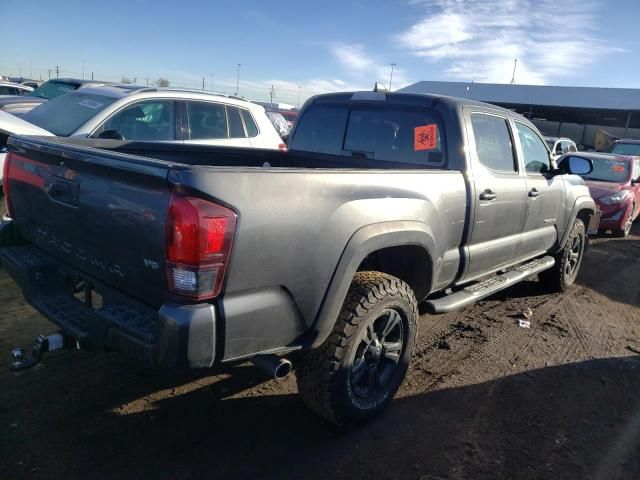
x=302, y=48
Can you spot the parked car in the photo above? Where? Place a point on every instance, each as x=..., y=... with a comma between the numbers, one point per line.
x=289, y=115
x=614, y=183
x=560, y=145
x=279, y=123
x=206, y=255
x=9, y=88
x=32, y=83
x=18, y=104
x=625, y=146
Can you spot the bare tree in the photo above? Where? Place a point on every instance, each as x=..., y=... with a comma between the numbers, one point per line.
x=126, y=80
x=162, y=82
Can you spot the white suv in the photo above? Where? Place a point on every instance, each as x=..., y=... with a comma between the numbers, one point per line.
x=157, y=115
x=560, y=145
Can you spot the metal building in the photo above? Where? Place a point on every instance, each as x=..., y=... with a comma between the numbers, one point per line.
x=574, y=112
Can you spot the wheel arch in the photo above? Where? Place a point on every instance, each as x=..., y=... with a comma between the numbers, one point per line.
x=583, y=208
x=403, y=249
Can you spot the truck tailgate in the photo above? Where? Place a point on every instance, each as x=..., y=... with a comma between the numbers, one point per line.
x=100, y=212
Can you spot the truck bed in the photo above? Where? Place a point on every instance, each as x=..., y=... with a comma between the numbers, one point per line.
x=99, y=209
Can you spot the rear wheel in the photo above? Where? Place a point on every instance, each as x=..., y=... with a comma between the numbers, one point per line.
x=356, y=372
x=626, y=226
x=563, y=274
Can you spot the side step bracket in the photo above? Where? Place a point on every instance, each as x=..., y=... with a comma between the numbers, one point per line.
x=480, y=290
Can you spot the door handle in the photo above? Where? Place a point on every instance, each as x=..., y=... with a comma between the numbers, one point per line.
x=488, y=195
x=534, y=193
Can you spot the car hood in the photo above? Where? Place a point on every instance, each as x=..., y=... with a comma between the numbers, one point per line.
x=602, y=189
x=10, y=124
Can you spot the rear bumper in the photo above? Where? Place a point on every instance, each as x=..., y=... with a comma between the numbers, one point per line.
x=102, y=318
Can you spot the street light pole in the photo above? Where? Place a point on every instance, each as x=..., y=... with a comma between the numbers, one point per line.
x=391, y=76
x=238, y=79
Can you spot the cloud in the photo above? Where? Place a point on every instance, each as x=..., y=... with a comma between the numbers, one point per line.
x=357, y=64
x=480, y=40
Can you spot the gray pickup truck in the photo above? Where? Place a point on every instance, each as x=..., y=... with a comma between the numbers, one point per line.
x=182, y=255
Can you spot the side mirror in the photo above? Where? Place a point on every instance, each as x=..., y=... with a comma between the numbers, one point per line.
x=111, y=135
x=576, y=165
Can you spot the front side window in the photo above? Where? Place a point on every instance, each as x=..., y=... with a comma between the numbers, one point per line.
x=536, y=155
x=145, y=121
x=207, y=120
x=572, y=147
x=493, y=143
x=636, y=170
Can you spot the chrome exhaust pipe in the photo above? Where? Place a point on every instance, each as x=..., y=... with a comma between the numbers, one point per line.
x=274, y=366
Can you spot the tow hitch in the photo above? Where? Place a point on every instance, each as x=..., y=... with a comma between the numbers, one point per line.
x=44, y=343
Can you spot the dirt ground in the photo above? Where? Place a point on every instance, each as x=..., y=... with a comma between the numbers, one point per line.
x=484, y=398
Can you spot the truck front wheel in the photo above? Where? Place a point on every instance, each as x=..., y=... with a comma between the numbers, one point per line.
x=356, y=372
x=563, y=274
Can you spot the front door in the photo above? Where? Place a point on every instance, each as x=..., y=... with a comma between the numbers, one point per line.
x=501, y=195
x=546, y=209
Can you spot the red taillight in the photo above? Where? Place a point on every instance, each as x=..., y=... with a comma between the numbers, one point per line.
x=282, y=147
x=5, y=184
x=199, y=238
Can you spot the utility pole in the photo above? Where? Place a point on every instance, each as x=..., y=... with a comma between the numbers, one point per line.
x=49, y=72
x=513, y=77
x=135, y=79
x=147, y=80
x=203, y=82
x=57, y=71
x=391, y=76
x=83, y=69
x=238, y=79
x=91, y=75
x=272, y=94
x=299, y=88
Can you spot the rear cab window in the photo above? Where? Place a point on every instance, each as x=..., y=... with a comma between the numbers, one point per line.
x=406, y=135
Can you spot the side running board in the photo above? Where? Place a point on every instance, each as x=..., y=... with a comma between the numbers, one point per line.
x=480, y=290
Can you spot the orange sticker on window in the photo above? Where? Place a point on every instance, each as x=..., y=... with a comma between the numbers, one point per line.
x=618, y=168
x=424, y=137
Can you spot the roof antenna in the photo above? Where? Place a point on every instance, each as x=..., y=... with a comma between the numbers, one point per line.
x=513, y=77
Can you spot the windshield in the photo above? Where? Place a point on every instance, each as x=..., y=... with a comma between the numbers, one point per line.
x=609, y=170
x=64, y=115
x=53, y=89
x=626, y=148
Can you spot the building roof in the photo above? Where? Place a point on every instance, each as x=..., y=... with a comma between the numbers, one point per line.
x=573, y=97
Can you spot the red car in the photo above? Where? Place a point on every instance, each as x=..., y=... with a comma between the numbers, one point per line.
x=615, y=186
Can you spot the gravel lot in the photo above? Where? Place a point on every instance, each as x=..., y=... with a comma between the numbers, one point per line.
x=484, y=398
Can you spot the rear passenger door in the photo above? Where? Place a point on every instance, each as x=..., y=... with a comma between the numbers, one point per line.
x=213, y=123
x=144, y=121
x=500, y=194
x=545, y=193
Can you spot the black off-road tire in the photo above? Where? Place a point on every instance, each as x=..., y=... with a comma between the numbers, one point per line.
x=325, y=375
x=563, y=274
